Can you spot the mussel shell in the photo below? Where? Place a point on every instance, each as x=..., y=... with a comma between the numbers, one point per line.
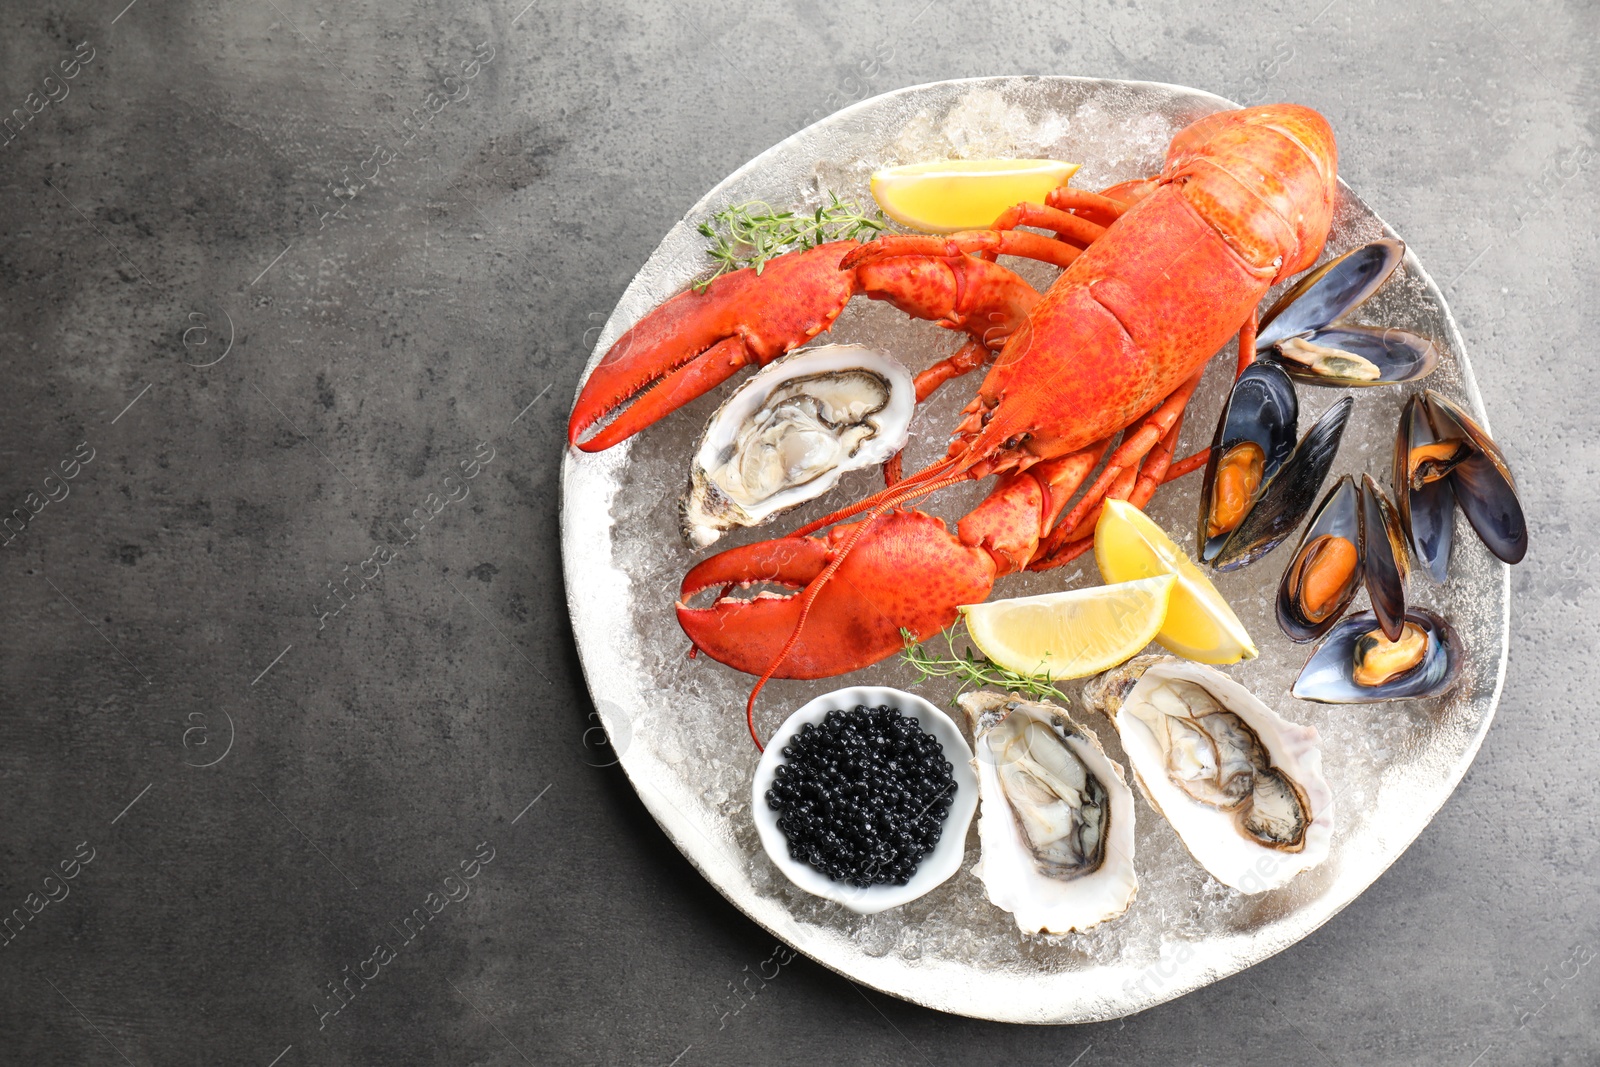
x=1399, y=355
x=1288, y=496
x=1326, y=675
x=1338, y=515
x=1383, y=555
x=1428, y=514
x=1319, y=298
x=1262, y=407
x=1482, y=482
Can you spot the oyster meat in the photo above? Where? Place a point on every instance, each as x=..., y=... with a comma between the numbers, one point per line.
x=790, y=431
x=1057, y=817
x=1242, y=786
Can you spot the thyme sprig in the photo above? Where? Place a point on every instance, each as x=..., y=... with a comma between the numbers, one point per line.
x=974, y=669
x=749, y=234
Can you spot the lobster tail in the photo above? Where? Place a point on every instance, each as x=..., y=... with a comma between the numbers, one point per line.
x=1265, y=178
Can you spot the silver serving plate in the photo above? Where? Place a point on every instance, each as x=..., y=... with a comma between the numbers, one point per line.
x=677, y=724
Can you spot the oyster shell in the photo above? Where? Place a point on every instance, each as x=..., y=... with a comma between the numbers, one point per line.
x=790, y=431
x=1057, y=817
x=1241, y=785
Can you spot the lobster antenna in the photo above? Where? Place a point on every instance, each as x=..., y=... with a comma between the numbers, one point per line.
x=901, y=490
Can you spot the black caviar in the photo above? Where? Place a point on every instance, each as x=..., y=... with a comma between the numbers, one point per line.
x=863, y=797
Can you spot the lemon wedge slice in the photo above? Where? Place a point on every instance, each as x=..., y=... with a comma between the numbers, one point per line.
x=1071, y=634
x=1200, y=625
x=964, y=194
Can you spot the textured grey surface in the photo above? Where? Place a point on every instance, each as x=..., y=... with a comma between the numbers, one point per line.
x=371, y=357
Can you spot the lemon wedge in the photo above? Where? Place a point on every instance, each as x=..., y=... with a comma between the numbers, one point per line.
x=1071, y=634
x=1200, y=625
x=964, y=194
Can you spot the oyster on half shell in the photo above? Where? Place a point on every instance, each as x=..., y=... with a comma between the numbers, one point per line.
x=789, y=432
x=1057, y=818
x=1241, y=785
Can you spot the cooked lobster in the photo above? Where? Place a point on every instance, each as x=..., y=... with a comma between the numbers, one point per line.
x=1159, y=275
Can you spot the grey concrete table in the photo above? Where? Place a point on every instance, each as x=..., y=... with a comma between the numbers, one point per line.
x=279, y=277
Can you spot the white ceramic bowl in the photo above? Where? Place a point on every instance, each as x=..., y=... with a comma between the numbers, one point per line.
x=937, y=866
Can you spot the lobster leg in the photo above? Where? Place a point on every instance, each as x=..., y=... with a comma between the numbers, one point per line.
x=1247, y=344
x=968, y=358
x=1067, y=226
x=1096, y=207
x=1076, y=215
x=1136, y=444
x=1127, y=193
x=1151, y=475
x=1153, y=472
x=1187, y=465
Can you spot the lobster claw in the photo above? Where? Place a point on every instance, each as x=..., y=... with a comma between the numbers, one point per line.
x=857, y=616
x=697, y=340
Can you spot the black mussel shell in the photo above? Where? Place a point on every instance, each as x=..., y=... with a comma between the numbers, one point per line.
x=1383, y=555
x=1427, y=512
x=1482, y=482
x=1289, y=495
x=1262, y=407
x=1392, y=354
x=1326, y=677
x=1321, y=297
x=1339, y=515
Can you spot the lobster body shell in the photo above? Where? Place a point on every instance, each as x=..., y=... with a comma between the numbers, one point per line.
x=1246, y=198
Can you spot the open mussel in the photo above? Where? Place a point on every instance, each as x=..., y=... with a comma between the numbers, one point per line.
x=1326, y=569
x=1461, y=452
x=1254, y=437
x=1383, y=557
x=1359, y=664
x=1287, y=495
x=1354, y=537
x=1422, y=487
x=1302, y=331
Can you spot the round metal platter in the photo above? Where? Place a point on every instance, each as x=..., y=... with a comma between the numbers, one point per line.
x=677, y=725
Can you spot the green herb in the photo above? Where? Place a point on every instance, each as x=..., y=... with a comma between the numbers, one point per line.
x=749, y=234
x=974, y=669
